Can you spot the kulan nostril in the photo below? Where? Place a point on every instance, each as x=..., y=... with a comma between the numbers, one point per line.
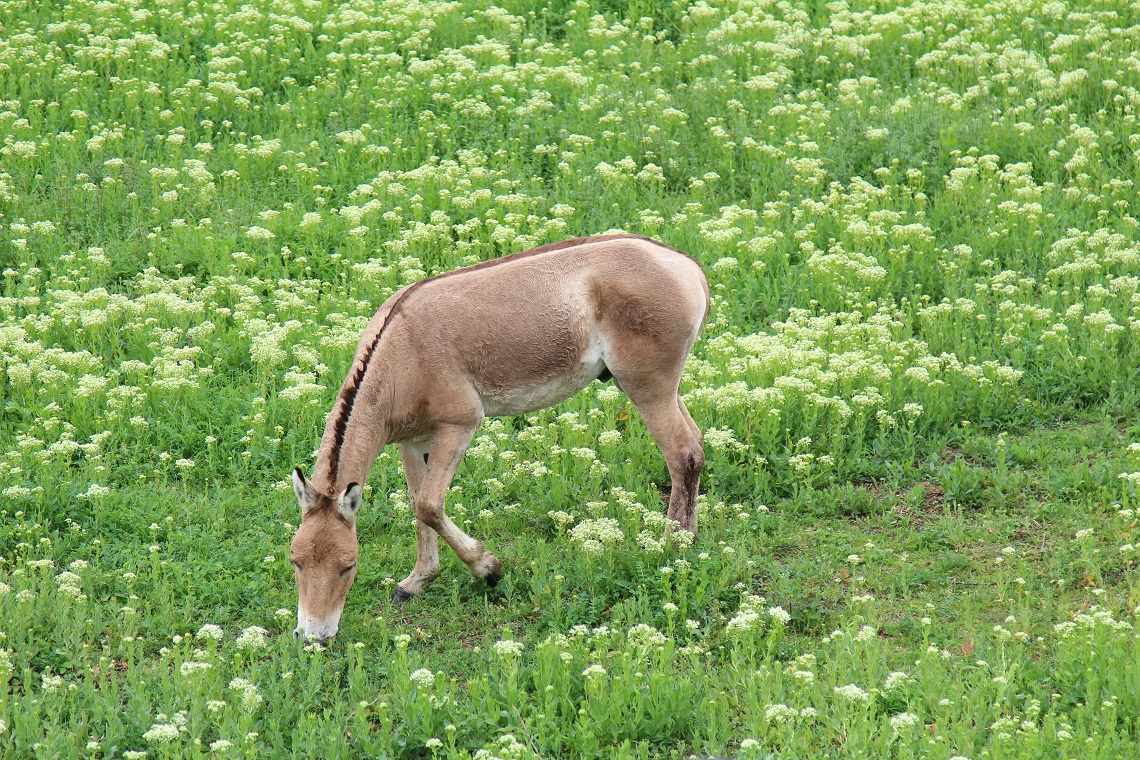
x=296, y=633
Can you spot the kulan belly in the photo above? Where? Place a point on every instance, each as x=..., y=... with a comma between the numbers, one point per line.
x=545, y=393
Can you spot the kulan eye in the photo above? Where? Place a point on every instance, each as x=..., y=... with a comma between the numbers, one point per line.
x=344, y=572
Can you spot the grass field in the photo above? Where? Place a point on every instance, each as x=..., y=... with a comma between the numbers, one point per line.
x=919, y=380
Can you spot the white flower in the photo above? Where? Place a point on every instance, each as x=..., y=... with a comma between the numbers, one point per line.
x=221, y=745
x=250, y=698
x=643, y=635
x=650, y=541
x=742, y=621
x=192, y=666
x=895, y=680
x=252, y=638
x=259, y=233
x=779, y=713
x=806, y=676
x=162, y=733
x=211, y=631
x=96, y=491
x=594, y=671
x=852, y=693
x=67, y=578
x=779, y=614
x=423, y=678
x=597, y=534
x=724, y=440
x=903, y=721
x=584, y=453
x=507, y=649
x=609, y=438
x=73, y=592
x=561, y=519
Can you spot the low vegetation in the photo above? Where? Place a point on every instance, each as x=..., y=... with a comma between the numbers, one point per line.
x=918, y=382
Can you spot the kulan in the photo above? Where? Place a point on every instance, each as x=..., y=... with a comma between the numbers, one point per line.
x=500, y=338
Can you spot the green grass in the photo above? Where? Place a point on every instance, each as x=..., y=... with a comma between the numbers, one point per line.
x=918, y=381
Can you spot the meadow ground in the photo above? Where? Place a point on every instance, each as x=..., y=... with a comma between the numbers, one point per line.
x=918, y=382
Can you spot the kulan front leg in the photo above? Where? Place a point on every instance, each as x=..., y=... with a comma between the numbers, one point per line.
x=448, y=444
x=414, y=458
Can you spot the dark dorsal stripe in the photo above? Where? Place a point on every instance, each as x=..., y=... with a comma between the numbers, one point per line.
x=352, y=386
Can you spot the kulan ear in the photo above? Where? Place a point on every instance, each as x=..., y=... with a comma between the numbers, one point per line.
x=306, y=494
x=348, y=502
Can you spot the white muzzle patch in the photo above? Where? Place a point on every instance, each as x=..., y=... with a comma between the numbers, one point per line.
x=319, y=631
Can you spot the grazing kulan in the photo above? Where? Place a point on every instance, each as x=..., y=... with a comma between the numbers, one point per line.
x=500, y=338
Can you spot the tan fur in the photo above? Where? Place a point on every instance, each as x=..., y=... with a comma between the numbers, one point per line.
x=500, y=338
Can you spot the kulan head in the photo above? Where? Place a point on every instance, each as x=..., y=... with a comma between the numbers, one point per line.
x=323, y=554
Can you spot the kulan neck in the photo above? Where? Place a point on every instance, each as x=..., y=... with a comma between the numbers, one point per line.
x=355, y=432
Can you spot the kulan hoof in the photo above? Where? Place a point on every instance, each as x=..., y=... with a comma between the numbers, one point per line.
x=494, y=569
x=401, y=596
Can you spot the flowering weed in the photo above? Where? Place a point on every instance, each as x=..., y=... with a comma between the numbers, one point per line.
x=917, y=384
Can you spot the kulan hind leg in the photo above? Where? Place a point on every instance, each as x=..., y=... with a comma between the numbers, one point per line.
x=688, y=417
x=683, y=447
x=652, y=384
